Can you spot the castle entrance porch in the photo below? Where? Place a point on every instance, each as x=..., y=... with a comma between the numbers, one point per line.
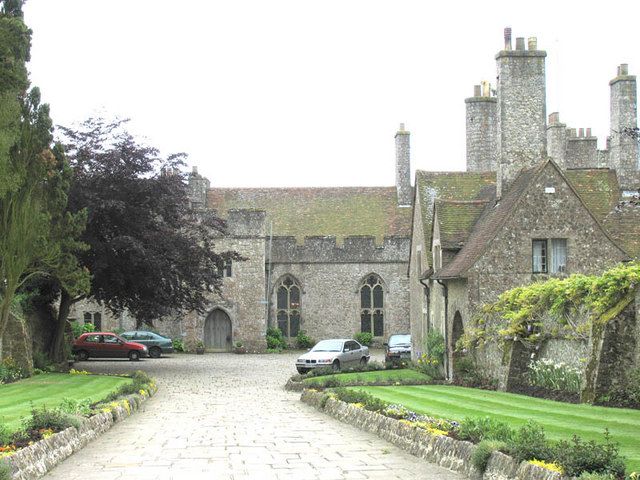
x=217, y=331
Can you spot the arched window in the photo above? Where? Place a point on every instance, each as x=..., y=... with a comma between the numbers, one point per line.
x=372, y=306
x=288, y=306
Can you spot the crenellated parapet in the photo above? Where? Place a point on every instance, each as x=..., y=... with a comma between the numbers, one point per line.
x=354, y=249
x=246, y=223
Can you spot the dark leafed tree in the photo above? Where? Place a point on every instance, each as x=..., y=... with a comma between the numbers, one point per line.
x=148, y=251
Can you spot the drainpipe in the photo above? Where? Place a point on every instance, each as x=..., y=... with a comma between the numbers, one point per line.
x=428, y=289
x=446, y=328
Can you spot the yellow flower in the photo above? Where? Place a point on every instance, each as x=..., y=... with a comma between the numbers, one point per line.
x=554, y=467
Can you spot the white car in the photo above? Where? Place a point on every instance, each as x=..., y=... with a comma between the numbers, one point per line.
x=336, y=353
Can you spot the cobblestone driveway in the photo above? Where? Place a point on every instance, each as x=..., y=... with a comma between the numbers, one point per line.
x=225, y=416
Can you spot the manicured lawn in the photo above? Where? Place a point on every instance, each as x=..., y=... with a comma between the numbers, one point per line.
x=560, y=420
x=17, y=399
x=371, y=378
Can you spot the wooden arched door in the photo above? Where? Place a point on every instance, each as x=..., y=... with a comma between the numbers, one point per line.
x=217, y=331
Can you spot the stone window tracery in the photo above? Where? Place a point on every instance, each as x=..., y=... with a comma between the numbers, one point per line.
x=372, y=306
x=288, y=306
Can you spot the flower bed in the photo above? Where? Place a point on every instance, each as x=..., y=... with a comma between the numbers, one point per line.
x=34, y=451
x=451, y=445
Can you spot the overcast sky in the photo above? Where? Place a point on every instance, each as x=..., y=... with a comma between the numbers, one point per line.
x=311, y=93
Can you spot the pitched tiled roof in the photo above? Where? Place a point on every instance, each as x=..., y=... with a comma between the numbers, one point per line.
x=488, y=225
x=623, y=223
x=338, y=211
x=455, y=186
x=598, y=188
x=457, y=219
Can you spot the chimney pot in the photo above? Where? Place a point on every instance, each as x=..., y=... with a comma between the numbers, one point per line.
x=581, y=132
x=588, y=132
x=533, y=43
x=402, y=127
x=477, y=91
x=554, y=118
x=195, y=169
x=624, y=69
x=519, y=43
x=507, y=38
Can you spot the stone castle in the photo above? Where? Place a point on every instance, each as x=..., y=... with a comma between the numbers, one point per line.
x=537, y=199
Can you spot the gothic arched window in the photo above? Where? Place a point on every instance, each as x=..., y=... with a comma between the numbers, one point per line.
x=288, y=306
x=372, y=306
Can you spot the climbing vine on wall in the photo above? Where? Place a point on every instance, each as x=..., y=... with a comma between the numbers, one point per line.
x=555, y=308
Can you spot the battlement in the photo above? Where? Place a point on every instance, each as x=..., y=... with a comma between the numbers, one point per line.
x=354, y=249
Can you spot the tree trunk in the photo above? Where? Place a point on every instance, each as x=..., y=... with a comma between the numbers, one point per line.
x=56, y=349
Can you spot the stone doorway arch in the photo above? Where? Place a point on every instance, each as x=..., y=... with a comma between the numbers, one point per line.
x=217, y=331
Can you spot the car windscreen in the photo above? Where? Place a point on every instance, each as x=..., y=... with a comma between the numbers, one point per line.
x=398, y=340
x=328, y=346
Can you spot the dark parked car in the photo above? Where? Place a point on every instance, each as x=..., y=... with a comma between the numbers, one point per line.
x=157, y=344
x=106, y=345
x=398, y=348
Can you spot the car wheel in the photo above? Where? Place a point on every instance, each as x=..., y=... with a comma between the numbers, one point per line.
x=82, y=355
x=301, y=371
x=336, y=366
x=155, y=352
x=363, y=361
x=134, y=355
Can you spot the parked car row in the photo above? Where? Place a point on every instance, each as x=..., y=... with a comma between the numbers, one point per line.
x=339, y=353
x=133, y=345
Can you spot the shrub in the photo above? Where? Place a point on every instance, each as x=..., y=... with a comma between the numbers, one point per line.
x=275, y=339
x=482, y=453
x=55, y=419
x=41, y=361
x=76, y=407
x=431, y=362
x=596, y=476
x=466, y=373
x=5, y=435
x=577, y=456
x=140, y=381
x=364, y=338
x=79, y=328
x=369, y=402
x=303, y=340
x=10, y=371
x=529, y=443
x=178, y=345
x=486, y=428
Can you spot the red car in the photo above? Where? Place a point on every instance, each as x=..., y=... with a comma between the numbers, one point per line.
x=107, y=345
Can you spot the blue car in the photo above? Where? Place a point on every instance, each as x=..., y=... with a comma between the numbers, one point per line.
x=157, y=344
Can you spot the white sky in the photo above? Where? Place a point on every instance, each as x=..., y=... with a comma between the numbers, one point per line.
x=311, y=93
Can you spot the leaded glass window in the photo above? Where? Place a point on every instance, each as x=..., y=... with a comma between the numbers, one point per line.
x=372, y=306
x=288, y=307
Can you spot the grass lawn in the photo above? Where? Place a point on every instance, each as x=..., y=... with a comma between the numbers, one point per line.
x=560, y=420
x=17, y=399
x=370, y=378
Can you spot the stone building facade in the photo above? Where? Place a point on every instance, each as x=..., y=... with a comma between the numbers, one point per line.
x=537, y=201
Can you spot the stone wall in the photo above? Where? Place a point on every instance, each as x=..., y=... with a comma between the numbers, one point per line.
x=418, y=294
x=438, y=449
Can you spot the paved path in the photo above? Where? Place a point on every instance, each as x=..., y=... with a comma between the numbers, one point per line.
x=225, y=416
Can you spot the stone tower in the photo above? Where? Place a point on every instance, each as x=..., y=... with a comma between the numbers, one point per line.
x=623, y=155
x=198, y=187
x=521, y=108
x=557, y=139
x=481, y=130
x=403, y=167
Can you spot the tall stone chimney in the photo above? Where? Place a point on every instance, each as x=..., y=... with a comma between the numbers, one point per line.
x=521, y=108
x=482, y=123
x=557, y=139
x=198, y=187
x=403, y=167
x=623, y=152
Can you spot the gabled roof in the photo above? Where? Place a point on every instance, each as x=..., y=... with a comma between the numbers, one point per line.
x=487, y=227
x=594, y=187
x=457, y=219
x=304, y=212
x=455, y=186
x=598, y=188
x=623, y=223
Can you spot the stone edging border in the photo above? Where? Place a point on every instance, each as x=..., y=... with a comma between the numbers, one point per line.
x=438, y=449
x=36, y=460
